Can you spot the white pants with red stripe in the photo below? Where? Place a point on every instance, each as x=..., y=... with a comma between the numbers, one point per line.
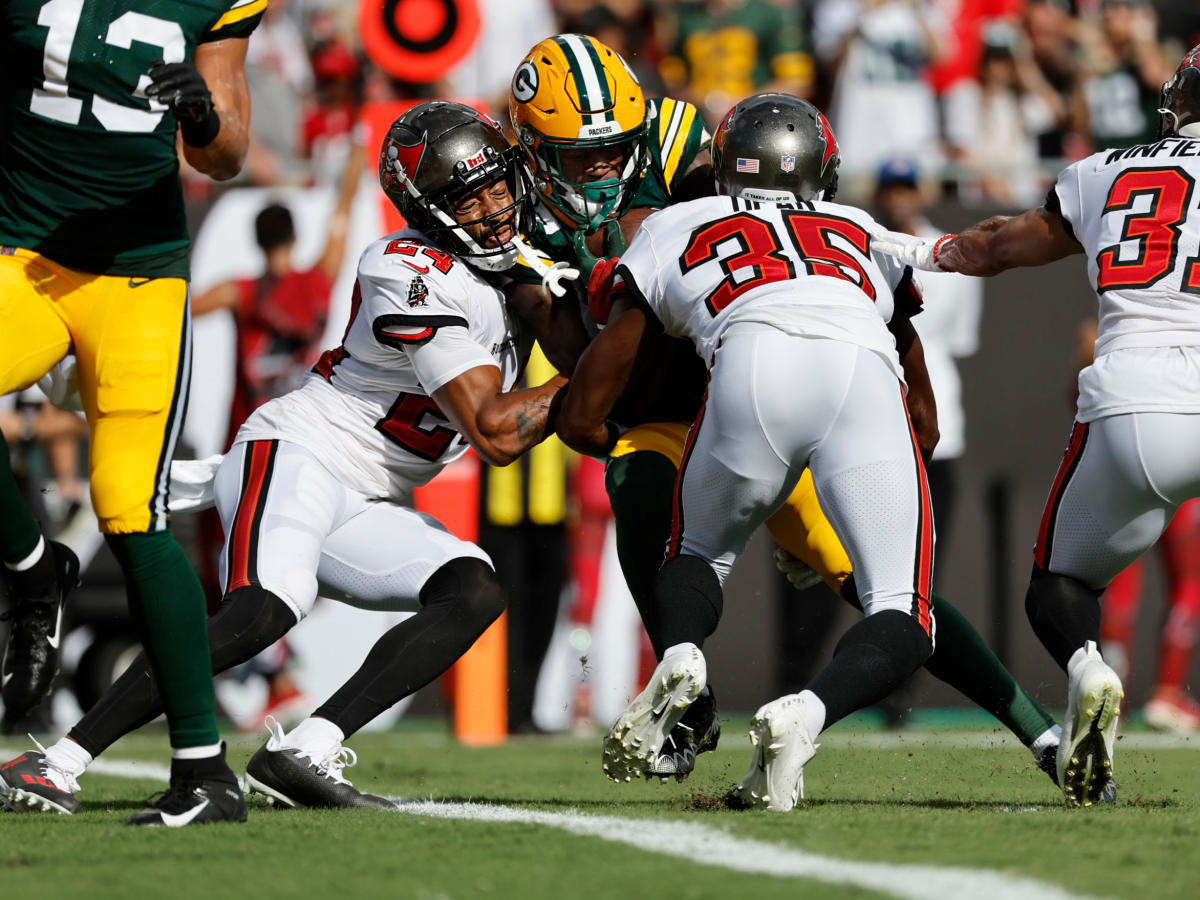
x=777, y=404
x=1118, y=485
x=295, y=530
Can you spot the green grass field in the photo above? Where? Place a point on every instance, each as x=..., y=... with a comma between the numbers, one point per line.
x=967, y=800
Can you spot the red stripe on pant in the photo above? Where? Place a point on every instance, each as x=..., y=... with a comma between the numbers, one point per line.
x=676, y=541
x=923, y=562
x=248, y=516
x=1045, y=537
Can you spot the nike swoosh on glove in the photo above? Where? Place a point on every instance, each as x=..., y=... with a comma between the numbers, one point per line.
x=600, y=288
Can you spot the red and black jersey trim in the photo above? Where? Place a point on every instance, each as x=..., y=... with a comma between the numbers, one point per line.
x=241, y=546
x=384, y=328
x=909, y=300
x=629, y=287
x=1044, y=548
x=922, y=599
x=1054, y=205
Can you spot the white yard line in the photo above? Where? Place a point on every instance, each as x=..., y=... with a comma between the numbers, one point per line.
x=712, y=846
x=716, y=847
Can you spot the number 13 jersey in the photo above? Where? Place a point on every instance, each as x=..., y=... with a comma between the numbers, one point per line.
x=419, y=319
x=1134, y=213
x=707, y=264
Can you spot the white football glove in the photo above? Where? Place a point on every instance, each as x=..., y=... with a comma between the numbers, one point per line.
x=192, y=484
x=552, y=275
x=61, y=385
x=920, y=253
x=801, y=575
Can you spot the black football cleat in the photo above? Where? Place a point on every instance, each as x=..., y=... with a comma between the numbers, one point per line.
x=697, y=732
x=30, y=784
x=1047, y=761
x=291, y=777
x=201, y=791
x=31, y=656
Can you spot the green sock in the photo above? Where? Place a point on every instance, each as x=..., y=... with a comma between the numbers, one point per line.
x=19, y=530
x=167, y=603
x=965, y=662
x=641, y=487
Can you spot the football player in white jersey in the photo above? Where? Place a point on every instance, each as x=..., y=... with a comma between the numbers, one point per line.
x=315, y=495
x=1134, y=451
x=778, y=290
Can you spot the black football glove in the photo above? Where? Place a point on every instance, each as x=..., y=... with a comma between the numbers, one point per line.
x=181, y=88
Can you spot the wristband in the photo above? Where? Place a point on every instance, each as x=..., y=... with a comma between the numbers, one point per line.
x=200, y=134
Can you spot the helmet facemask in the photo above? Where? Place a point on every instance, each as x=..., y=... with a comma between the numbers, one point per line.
x=588, y=204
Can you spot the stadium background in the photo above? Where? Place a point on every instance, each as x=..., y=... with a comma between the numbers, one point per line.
x=901, y=79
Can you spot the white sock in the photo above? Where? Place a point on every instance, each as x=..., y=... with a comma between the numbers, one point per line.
x=814, y=713
x=314, y=736
x=1048, y=738
x=680, y=648
x=31, y=560
x=204, y=752
x=67, y=756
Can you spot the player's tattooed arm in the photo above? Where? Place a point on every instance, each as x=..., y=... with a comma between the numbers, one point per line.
x=499, y=425
x=600, y=380
x=922, y=409
x=222, y=65
x=556, y=323
x=1034, y=238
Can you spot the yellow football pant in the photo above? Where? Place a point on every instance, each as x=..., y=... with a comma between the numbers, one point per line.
x=132, y=339
x=799, y=526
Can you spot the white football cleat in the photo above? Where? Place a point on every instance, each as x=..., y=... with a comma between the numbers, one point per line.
x=782, y=747
x=1085, y=755
x=635, y=739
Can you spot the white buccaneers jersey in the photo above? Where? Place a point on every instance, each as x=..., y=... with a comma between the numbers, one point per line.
x=707, y=264
x=1134, y=212
x=419, y=318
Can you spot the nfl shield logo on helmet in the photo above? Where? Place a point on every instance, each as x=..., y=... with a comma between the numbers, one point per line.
x=787, y=163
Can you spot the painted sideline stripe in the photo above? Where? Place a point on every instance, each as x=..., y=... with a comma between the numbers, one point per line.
x=715, y=847
x=988, y=740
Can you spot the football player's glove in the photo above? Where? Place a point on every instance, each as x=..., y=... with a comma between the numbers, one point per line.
x=801, y=575
x=182, y=89
x=600, y=289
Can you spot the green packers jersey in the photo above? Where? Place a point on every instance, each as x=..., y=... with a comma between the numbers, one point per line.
x=677, y=136
x=88, y=171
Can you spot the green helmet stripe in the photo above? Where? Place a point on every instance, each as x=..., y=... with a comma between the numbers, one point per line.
x=605, y=96
x=588, y=73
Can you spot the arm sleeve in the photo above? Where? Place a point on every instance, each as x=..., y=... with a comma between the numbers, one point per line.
x=240, y=18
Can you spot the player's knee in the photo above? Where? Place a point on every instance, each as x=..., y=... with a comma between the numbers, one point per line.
x=120, y=507
x=690, y=575
x=296, y=587
x=908, y=620
x=1049, y=591
x=250, y=619
x=637, y=480
x=471, y=585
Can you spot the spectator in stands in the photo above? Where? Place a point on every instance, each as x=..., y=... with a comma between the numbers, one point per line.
x=28, y=421
x=1049, y=29
x=631, y=39
x=992, y=124
x=329, y=123
x=725, y=50
x=1124, y=70
x=949, y=330
x=876, y=51
x=281, y=80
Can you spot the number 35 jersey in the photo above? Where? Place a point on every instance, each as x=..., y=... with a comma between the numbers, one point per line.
x=88, y=171
x=1134, y=213
x=419, y=318
x=707, y=264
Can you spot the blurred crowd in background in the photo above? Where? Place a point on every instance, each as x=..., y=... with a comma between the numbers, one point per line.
x=980, y=101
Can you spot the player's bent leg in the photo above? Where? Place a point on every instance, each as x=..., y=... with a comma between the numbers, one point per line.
x=458, y=602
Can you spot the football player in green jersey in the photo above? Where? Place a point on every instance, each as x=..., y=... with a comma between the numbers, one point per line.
x=94, y=261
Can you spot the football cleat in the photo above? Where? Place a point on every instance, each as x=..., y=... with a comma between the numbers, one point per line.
x=201, y=791
x=292, y=777
x=30, y=783
x=634, y=743
x=31, y=656
x=1085, y=755
x=1173, y=709
x=782, y=748
x=1047, y=761
x=697, y=732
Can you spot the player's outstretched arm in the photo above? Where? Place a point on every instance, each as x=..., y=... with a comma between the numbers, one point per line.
x=555, y=322
x=221, y=296
x=210, y=99
x=500, y=426
x=1034, y=238
x=600, y=379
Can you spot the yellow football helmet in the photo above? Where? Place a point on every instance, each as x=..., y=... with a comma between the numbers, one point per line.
x=572, y=92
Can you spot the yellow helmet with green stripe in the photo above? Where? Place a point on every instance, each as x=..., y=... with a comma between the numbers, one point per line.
x=573, y=93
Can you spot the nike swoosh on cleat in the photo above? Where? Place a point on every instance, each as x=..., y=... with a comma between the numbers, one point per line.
x=53, y=640
x=6, y=678
x=184, y=818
